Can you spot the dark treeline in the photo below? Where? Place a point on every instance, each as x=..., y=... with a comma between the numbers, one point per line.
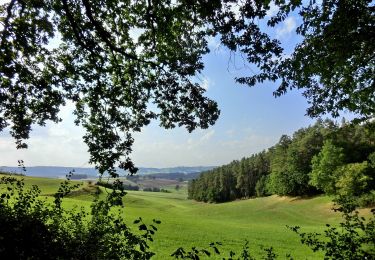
x=156, y=189
x=79, y=176
x=174, y=176
x=110, y=185
x=323, y=158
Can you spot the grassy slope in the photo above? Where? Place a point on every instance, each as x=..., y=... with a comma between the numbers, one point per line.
x=261, y=221
x=187, y=223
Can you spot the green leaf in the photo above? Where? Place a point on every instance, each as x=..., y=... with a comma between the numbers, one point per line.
x=142, y=227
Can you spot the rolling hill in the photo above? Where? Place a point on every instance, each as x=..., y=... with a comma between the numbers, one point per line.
x=186, y=223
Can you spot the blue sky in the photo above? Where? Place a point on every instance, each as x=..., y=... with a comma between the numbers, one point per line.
x=251, y=120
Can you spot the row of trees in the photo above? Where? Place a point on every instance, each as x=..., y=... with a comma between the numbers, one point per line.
x=323, y=158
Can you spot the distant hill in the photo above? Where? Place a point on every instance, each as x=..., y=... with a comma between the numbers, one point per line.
x=50, y=171
x=61, y=172
x=175, y=175
x=181, y=169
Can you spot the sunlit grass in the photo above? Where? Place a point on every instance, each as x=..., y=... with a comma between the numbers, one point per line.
x=186, y=223
x=261, y=221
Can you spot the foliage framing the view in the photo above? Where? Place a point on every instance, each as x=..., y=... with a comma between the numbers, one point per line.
x=354, y=239
x=116, y=82
x=33, y=228
x=119, y=82
x=124, y=63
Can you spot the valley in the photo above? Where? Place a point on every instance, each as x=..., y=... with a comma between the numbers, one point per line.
x=187, y=223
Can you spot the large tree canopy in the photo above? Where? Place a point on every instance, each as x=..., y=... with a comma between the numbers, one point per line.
x=117, y=82
x=124, y=63
x=333, y=65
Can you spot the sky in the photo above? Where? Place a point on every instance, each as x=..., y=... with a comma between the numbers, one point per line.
x=251, y=120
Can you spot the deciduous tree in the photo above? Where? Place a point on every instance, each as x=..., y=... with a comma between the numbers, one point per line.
x=117, y=82
x=325, y=166
x=124, y=63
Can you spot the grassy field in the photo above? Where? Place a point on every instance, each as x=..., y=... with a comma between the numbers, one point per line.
x=186, y=223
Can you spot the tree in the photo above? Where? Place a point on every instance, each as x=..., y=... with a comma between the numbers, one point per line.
x=113, y=77
x=291, y=161
x=353, y=179
x=324, y=167
x=261, y=186
x=334, y=63
x=334, y=76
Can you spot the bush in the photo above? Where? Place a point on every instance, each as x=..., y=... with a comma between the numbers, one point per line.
x=213, y=251
x=353, y=179
x=367, y=200
x=153, y=189
x=33, y=228
x=131, y=187
x=105, y=184
x=112, y=186
x=354, y=240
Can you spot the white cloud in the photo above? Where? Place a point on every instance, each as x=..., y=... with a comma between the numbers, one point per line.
x=198, y=141
x=287, y=27
x=273, y=10
x=55, y=144
x=174, y=147
x=230, y=133
x=154, y=146
x=45, y=150
x=206, y=83
x=207, y=136
x=247, y=141
x=214, y=45
x=214, y=146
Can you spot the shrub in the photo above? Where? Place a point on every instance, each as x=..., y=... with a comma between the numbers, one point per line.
x=131, y=187
x=33, y=228
x=153, y=189
x=354, y=239
x=105, y=184
x=112, y=186
x=367, y=200
x=353, y=179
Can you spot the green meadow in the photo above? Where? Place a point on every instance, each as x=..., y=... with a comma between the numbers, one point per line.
x=186, y=223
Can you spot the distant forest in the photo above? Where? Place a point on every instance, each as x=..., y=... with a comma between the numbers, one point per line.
x=327, y=157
